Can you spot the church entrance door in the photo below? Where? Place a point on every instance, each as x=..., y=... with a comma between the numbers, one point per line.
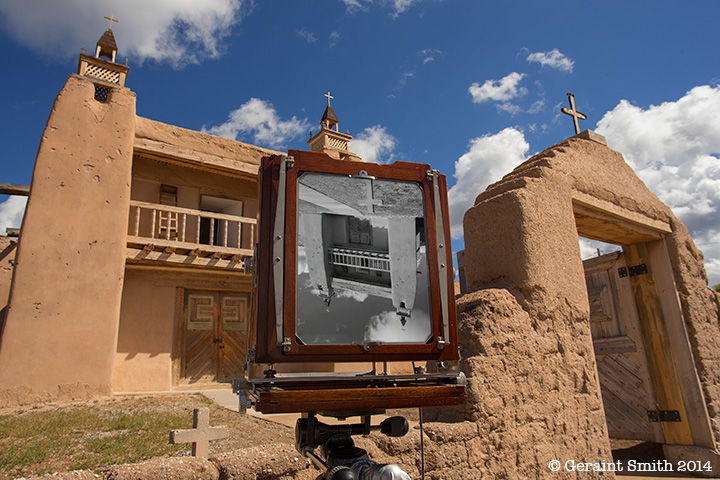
x=215, y=335
x=627, y=389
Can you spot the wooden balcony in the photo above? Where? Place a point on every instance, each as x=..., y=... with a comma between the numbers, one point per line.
x=351, y=257
x=162, y=233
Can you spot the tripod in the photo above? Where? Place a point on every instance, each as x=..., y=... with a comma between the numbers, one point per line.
x=338, y=457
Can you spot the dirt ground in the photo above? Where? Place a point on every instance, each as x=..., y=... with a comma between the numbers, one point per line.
x=245, y=431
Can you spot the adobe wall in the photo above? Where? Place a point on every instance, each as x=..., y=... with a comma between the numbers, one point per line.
x=148, y=348
x=71, y=257
x=701, y=309
x=7, y=257
x=143, y=359
x=521, y=241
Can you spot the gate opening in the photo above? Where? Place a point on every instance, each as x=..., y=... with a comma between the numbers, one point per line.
x=641, y=348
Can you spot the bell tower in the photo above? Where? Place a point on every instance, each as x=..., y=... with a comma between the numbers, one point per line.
x=101, y=68
x=330, y=140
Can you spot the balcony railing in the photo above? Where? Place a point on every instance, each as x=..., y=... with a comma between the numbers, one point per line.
x=190, y=232
x=368, y=259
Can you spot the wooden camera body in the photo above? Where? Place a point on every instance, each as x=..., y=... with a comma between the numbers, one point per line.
x=353, y=264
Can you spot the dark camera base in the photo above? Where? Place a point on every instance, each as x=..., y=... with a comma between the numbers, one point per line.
x=338, y=457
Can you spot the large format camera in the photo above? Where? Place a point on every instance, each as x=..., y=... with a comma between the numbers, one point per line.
x=354, y=306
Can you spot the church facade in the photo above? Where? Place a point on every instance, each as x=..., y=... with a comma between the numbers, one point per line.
x=130, y=273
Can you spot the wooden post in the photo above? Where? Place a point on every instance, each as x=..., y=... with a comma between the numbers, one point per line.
x=657, y=345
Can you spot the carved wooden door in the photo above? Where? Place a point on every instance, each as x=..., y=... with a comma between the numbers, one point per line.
x=233, y=332
x=215, y=336
x=627, y=389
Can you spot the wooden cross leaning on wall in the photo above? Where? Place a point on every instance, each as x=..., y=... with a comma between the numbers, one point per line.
x=201, y=434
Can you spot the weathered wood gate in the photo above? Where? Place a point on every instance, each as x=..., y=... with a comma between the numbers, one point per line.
x=626, y=385
x=215, y=336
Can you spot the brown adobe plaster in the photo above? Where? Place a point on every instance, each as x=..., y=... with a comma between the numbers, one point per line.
x=71, y=254
x=521, y=237
x=7, y=258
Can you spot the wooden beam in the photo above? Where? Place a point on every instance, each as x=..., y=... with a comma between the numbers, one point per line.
x=614, y=212
x=342, y=399
x=657, y=345
x=160, y=257
x=606, y=227
x=192, y=248
x=13, y=189
x=187, y=157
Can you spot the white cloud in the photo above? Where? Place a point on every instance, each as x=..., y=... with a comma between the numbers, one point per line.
x=351, y=294
x=353, y=6
x=397, y=6
x=508, y=107
x=258, y=119
x=428, y=55
x=11, y=212
x=488, y=159
x=552, y=59
x=180, y=32
x=373, y=143
x=589, y=248
x=333, y=38
x=675, y=149
x=306, y=35
x=537, y=106
x=387, y=325
x=498, y=90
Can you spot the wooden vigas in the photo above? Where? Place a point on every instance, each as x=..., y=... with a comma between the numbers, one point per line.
x=353, y=265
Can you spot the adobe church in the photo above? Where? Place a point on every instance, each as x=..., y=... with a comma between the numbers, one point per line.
x=131, y=272
x=130, y=277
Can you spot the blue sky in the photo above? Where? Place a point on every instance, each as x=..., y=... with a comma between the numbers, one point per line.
x=471, y=87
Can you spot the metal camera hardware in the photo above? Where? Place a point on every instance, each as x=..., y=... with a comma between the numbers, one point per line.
x=352, y=288
x=337, y=454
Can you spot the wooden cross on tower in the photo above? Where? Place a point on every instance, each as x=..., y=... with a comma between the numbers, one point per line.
x=573, y=112
x=112, y=19
x=328, y=97
x=201, y=434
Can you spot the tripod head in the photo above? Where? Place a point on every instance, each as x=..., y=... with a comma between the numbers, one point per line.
x=338, y=456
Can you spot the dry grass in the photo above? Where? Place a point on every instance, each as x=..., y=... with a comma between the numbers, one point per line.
x=93, y=435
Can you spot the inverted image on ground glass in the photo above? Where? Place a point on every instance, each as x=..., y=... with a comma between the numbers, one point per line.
x=361, y=261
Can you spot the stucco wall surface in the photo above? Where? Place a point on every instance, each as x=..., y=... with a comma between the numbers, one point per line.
x=531, y=399
x=61, y=327
x=149, y=347
x=7, y=257
x=521, y=236
x=143, y=360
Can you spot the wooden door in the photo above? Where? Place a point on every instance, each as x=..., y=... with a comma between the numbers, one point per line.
x=627, y=389
x=233, y=332
x=215, y=336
